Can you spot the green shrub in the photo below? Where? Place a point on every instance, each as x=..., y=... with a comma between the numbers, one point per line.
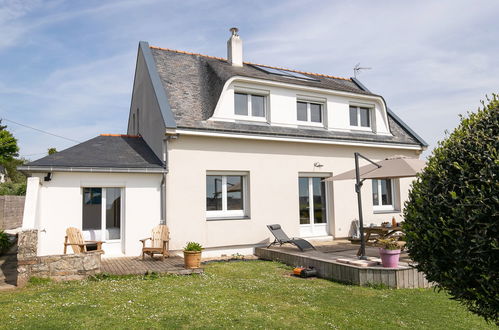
x=11, y=188
x=452, y=214
x=193, y=246
x=4, y=242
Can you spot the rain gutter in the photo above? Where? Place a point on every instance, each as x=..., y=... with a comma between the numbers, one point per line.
x=91, y=169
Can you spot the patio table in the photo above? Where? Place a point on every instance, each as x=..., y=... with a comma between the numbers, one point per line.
x=378, y=232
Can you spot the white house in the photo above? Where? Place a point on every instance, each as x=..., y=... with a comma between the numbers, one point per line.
x=217, y=149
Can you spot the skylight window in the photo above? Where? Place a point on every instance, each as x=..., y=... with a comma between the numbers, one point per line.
x=285, y=73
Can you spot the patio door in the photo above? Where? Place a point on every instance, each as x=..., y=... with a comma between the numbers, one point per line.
x=102, y=218
x=313, y=214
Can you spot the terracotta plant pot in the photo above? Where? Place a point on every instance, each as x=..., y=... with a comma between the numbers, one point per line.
x=389, y=258
x=192, y=259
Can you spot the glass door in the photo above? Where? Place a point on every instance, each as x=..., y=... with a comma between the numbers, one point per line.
x=102, y=215
x=313, y=215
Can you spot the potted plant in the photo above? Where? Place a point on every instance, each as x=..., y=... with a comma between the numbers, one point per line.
x=192, y=255
x=389, y=250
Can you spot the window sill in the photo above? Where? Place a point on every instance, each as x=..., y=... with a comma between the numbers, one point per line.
x=304, y=125
x=228, y=218
x=249, y=118
x=386, y=211
x=360, y=129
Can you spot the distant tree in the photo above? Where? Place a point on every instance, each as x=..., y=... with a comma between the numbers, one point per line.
x=52, y=151
x=8, y=145
x=11, y=168
x=452, y=214
x=16, y=181
x=12, y=188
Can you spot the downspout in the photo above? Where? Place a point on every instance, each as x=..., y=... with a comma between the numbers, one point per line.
x=163, y=182
x=169, y=136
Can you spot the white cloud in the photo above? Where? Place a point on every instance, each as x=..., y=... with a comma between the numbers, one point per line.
x=431, y=60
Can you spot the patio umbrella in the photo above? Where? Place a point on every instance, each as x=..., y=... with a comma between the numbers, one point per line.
x=395, y=167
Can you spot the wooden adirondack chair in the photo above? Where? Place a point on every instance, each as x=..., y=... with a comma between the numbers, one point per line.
x=160, y=239
x=74, y=238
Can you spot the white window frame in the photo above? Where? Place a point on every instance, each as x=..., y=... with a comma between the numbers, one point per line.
x=359, y=127
x=256, y=92
x=104, y=213
x=309, y=121
x=379, y=206
x=224, y=213
x=311, y=199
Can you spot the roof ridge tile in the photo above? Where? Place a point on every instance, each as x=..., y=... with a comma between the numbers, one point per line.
x=122, y=135
x=250, y=63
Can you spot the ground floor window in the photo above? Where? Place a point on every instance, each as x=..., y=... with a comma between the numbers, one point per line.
x=102, y=213
x=226, y=195
x=382, y=191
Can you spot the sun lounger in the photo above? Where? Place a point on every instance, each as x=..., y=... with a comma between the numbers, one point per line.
x=281, y=238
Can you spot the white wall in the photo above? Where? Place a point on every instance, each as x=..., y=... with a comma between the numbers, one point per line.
x=273, y=168
x=281, y=101
x=60, y=207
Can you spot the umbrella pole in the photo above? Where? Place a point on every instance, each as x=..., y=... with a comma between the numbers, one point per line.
x=358, y=185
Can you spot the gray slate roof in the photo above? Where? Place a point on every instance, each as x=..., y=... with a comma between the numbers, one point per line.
x=193, y=84
x=103, y=152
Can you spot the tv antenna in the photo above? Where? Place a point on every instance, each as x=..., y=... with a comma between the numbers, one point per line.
x=357, y=69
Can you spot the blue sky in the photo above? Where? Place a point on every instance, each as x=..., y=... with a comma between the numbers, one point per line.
x=67, y=66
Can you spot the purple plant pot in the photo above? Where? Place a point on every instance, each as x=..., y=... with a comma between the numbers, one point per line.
x=389, y=258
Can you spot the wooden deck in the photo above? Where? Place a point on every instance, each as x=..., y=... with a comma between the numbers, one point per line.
x=137, y=266
x=324, y=260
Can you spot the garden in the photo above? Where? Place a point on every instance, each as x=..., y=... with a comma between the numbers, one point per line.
x=245, y=294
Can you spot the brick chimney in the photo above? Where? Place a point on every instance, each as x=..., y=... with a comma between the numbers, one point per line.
x=235, y=48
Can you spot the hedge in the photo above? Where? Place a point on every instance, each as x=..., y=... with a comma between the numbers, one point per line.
x=452, y=213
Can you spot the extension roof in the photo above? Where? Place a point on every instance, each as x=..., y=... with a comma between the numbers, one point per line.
x=104, y=153
x=193, y=84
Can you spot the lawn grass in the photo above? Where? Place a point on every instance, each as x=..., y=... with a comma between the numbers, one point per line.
x=237, y=294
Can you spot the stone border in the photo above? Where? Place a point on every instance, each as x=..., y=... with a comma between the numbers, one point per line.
x=63, y=267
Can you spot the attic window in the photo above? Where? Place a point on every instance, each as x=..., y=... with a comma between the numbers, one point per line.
x=309, y=111
x=285, y=73
x=360, y=117
x=249, y=105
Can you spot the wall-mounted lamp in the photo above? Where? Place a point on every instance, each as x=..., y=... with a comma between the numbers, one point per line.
x=317, y=164
x=48, y=177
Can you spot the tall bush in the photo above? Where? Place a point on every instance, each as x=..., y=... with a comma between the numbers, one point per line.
x=11, y=188
x=452, y=214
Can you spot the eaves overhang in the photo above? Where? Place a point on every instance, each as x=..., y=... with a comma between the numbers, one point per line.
x=29, y=169
x=297, y=139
